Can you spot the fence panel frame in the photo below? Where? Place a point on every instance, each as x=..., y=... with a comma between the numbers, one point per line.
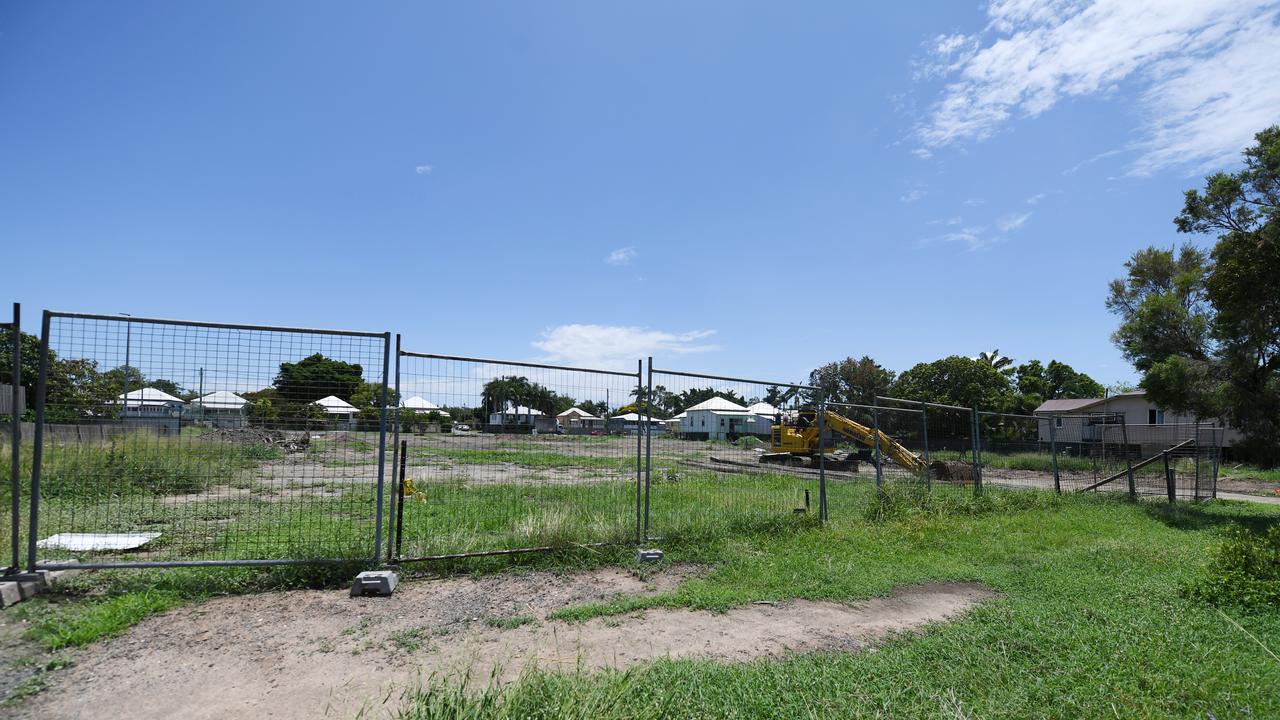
x=823, y=509
x=33, y=563
x=399, y=558
x=15, y=439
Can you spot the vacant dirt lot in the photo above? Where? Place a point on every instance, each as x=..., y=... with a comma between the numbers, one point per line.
x=310, y=654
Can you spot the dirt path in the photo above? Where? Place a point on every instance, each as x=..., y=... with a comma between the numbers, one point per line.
x=321, y=654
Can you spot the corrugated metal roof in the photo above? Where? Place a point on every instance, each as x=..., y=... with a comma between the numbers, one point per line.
x=763, y=408
x=519, y=410
x=149, y=396
x=220, y=400
x=419, y=403
x=716, y=403
x=1073, y=404
x=579, y=413
x=634, y=417
x=335, y=405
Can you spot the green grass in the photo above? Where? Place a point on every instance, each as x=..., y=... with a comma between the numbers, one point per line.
x=1250, y=472
x=81, y=623
x=537, y=459
x=1094, y=620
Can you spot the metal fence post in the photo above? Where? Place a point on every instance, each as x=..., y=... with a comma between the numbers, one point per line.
x=397, y=498
x=1196, y=445
x=642, y=529
x=1053, y=453
x=924, y=426
x=977, y=452
x=15, y=434
x=648, y=445
x=822, y=461
x=37, y=451
x=875, y=420
x=1128, y=460
x=1168, y=479
x=382, y=449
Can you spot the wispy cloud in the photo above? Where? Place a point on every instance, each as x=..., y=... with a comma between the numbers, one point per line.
x=974, y=238
x=1035, y=199
x=621, y=256
x=974, y=202
x=423, y=169
x=1012, y=221
x=954, y=220
x=1205, y=72
x=913, y=194
x=616, y=346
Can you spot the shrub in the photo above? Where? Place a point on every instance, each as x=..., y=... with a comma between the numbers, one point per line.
x=1244, y=570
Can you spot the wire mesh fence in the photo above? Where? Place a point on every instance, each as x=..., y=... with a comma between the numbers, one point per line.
x=12, y=408
x=502, y=456
x=1016, y=451
x=171, y=442
x=159, y=442
x=726, y=455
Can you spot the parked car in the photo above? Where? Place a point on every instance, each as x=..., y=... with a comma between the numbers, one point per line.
x=461, y=427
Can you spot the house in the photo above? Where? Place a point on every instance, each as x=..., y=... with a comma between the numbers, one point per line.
x=221, y=409
x=151, y=408
x=575, y=420
x=631, y=423
x=341, y=414
x=422, y=405
x=673, y=424
x=721, y=419
x=520, y=419
x=1145, y=425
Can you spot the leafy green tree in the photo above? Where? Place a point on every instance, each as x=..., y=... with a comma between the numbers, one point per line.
x=850, y=381
x=664, y=401
x=316, y=377
x=514, y=390
x=957, y=380
x=167, y=386
x=598, y=408
x=995, y=359
x=693, y=396
x=1204, y=330
x=1036, y=383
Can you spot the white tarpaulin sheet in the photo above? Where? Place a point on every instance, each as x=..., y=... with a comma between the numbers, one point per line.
x=87, y=542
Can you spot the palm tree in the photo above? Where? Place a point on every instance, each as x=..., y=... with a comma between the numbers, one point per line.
x=994, y=359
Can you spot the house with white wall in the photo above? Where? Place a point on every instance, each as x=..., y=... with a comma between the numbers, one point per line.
x=720, y=419
x=1094, y=420
x=220, y=409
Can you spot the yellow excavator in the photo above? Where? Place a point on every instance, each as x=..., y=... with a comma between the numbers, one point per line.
x=796, y=441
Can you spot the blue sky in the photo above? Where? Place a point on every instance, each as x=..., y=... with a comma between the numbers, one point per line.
x=746, y=188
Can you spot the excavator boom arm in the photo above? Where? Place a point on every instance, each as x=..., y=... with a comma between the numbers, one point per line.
x=867, y=436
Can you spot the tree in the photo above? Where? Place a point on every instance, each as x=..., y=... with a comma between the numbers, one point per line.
x=514, y=390
x=598, y=408
x=994, y=359
x=316, y=377
x=1035, y=383
x=167, y=386
x=664, y=401
x=957, y=380
x=1204, y=329
x=693, y=396
x=850, y=381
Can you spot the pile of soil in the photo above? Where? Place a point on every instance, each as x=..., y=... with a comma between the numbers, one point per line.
x=289, y=442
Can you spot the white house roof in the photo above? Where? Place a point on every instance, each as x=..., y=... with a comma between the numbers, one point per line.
x=577, y=412
x=520, y=410
x=335, y=405
x=681, y=416
x=763, y=408
x=716, y=403
x=635, y=417
x=220, y=400
x=420, y=403
x=149, y=396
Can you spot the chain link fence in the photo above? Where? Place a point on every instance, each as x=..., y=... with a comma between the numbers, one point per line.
x=166, y=443
x=162, y=442
x=726, y=455
x=503, y=456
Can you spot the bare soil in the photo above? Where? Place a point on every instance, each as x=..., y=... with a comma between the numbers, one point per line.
x=308, y=654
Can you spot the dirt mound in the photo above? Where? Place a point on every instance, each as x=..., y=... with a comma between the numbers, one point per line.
x=309, y=654
x=289, y=442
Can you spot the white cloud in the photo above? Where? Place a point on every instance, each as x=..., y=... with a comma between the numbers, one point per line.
x=1206, y=72
x=975, y=238
x=955, y=220
x=621, y=256
x=423, y=169
x=913, y=194
x=974, y=202
x=1012, y=221
x=616, y=346
x=922, y=153
x=1035, y=199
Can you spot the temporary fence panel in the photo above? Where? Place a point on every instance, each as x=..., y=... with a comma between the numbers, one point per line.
x=714, y=466
x=206, y=443
x=12, y=397
x=1017, y=451
x=502, y=456
x=940, y=437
